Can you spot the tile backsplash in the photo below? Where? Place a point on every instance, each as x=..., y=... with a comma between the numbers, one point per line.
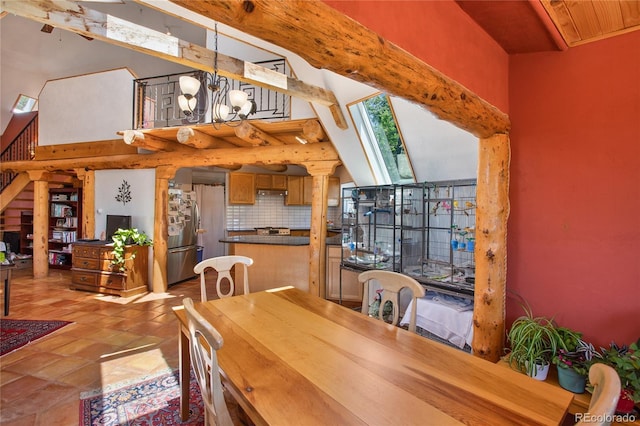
x=270, y=210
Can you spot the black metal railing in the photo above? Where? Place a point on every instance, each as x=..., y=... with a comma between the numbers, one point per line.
x=23, y=147
x=156, y=99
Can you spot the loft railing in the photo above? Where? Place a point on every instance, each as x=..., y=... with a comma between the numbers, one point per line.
x=22, y=147
x=156, y=99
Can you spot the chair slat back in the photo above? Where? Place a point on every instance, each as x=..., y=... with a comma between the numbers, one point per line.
x=223, y=266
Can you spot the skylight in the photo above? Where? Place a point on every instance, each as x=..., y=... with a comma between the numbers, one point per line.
x=381, y=139
x=24, y=104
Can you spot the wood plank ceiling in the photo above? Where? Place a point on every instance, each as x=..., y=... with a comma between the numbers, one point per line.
x=586, y=21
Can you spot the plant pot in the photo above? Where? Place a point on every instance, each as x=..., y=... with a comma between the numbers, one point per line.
x=539, y=372
x=571, y=381
x=625, y=403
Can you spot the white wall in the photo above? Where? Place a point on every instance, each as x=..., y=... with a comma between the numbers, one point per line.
x=142, y=204
x=86, y=108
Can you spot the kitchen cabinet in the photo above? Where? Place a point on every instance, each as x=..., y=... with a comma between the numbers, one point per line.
x=242, y=188
x=267, y=181
x=92, y=269
x=294, y=191
x=300, y=191
x=424, y=230
x=65, y=226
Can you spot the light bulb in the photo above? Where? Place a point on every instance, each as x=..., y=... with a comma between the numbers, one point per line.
x=187, y=105
x=220, y=112
x=246, y=109
x=189, y=85
x=238, y=98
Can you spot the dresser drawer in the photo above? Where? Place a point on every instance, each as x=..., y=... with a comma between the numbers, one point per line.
x=83, y=278
x=86, y=251
x=112, y=281
x=86, y=263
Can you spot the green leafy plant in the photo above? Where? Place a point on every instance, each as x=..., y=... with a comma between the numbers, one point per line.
x=573, y=352
x=533, y=341
x=626, y=361
x=122, y=238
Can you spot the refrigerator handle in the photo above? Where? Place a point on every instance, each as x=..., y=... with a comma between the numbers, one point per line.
x=196, y=212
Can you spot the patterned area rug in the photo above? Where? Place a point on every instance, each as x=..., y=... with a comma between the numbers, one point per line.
x=15, y=334
x=153, y=401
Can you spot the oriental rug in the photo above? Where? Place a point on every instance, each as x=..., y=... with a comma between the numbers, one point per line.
x=15, y=334
x=150, y=401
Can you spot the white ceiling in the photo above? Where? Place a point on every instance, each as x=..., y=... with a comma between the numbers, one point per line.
x=30, y=57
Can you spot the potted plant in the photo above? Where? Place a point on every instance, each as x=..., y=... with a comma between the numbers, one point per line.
x=626, y=361
x=573, y=359
x=122, y=238
x=533, y=342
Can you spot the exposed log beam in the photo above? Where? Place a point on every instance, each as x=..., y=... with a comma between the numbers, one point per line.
x=328, y=39
x=196, y=139
x=152, y=143
x=313, y=132
x=84, y=149
x=255, y=136
x=265, y=155
x=76, y=18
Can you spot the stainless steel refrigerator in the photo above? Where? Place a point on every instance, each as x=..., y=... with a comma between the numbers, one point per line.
x=183, y=223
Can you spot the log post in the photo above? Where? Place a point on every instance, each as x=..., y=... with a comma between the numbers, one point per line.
x=491, y=247
x=160, y=230
x=40, y=180
x=320, y=170
x=88, y=178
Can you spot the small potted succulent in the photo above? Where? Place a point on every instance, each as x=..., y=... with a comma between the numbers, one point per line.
x=573, y=359
x=123, y=237
x=626, y=361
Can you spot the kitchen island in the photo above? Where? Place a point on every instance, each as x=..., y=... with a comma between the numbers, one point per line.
x=278, y=260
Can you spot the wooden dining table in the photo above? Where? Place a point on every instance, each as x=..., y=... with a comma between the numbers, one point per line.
x=290, y=357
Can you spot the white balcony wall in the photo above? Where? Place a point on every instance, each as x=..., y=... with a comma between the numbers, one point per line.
x=86, y=108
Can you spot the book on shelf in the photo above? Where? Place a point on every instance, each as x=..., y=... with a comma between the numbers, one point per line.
x=61, y=210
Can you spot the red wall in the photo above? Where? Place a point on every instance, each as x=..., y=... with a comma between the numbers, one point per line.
x=573, y=232
x=575, y=187
x=442, y=35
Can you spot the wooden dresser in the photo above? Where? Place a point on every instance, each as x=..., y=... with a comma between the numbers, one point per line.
x=92, y=270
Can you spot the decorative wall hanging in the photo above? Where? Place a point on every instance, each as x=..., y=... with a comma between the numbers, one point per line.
x=124, y=192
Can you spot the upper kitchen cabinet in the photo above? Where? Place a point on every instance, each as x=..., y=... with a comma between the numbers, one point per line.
x=295, y=190
x=266, y=181
x=300, y=191
x=242, y=188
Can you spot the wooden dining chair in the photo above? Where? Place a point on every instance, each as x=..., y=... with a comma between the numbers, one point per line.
x=204, y=341
x=606, y=392
x=392, y=283
x=223, y=265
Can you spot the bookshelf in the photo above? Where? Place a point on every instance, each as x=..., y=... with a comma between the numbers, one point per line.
x=26, y=232
x=65, y=205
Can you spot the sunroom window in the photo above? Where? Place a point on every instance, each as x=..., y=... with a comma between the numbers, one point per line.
x=381, y=139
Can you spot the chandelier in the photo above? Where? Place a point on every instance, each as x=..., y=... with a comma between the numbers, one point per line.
x=220, y=88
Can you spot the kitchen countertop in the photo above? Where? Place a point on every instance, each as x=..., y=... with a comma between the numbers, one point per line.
x=280, y=240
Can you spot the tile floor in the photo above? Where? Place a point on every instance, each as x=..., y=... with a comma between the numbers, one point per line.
x=110, y=341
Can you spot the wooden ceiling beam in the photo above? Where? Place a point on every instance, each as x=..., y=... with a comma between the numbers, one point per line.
x=312, y=131
x=71, y=16
x=84, y=149
x=327, y=39
x=197, y=139
x=153, y=143
x=254, y=136
x=223, y=157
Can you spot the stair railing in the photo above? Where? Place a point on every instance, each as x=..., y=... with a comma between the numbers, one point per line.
x=22, y=147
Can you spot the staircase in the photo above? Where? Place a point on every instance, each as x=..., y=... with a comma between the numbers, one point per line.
x=16, y=189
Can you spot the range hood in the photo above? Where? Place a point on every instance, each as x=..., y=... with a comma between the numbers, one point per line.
x=278, y=192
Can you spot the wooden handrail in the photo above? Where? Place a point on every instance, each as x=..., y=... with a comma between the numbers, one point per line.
x=22, y=147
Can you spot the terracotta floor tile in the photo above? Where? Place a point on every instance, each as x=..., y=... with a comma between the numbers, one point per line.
x=111, y=341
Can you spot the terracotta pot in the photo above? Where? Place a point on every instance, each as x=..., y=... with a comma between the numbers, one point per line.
x=625, y=403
